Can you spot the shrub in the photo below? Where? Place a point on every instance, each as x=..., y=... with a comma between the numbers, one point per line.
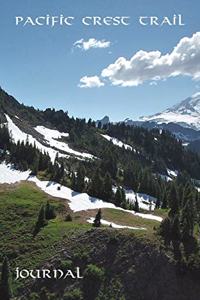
x=92, y=279
x=68, y=218
x=76, y=294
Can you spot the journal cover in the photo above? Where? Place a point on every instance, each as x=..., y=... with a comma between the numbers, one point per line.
x=99, y=150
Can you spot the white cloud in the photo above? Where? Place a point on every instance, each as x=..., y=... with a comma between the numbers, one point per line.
x=90, y=82
x=183, y=60
x=91, y=43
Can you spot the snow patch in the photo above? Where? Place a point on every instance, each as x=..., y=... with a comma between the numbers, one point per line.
x=145, y=201
x=18, y=135
x=114, y=225
x=117, y=142
x=51, y=137
x=172, y=173
x=77, y=201
x=9, y=175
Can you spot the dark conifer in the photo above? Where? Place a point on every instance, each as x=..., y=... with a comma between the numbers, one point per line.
x=41, y=221
x=5, y=287
x=136, y=206
x=97, y=220
x=107, y=188
x=49, y=211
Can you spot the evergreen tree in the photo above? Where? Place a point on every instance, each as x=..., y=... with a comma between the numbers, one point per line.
x=5, y=288
x=118, y=197
x=96, y=185
x=97, y=220
x=107, y=188
x=80, y=179
x=173, y=201
x=41, y=221
x=165, y=230
x=164, y=200
x=35, y=166
x=136, y=206
x=187, y=225
x=49, y=211
x=73, y=181
x=176, y=237
x=188, y=217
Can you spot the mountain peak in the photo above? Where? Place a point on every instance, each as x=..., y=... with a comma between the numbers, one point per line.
x=186, y=113
x=105, y=120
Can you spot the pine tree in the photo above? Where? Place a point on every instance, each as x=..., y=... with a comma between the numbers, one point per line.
x=49, y=211
x=97, y=220
x=165, y=230
x=96, y=185
x=80, y=179
x=188, y=217
x=5, y=288
x=73, y=181
x=186, y=193
x=173, y=201
x=136, y=206
x=35, y=166
x=176, y=237
x=118, y=197
x=107, y=188
x=164, y=200
x=187, y=225
x=41, y=221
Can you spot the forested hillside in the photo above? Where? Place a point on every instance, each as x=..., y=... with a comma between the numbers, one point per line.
x=135, y=170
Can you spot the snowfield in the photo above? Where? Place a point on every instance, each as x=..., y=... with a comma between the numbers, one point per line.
x=117, y=142
x=18, y=135
x=145, y=201
x=10, y=175
x=77, y=201
x=50, y=137
x=185, y=113
x=114, y=225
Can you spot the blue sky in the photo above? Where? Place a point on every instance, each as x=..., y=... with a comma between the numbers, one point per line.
x=40, y=66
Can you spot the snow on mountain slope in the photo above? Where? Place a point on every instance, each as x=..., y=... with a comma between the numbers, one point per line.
x=186, y=114
x=8, y=174
x=145, y=201
x=18, y=135
x=50, y=133
x=50, y=136
x=78, y=201
x=116, y=142
x=114, y=225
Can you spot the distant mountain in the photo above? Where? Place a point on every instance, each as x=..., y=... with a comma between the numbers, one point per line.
x=185, y=114
x=105, y=120
x=183, y=120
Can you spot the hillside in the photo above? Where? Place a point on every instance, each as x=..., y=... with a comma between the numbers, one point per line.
x=62, y=178
x=122, y=263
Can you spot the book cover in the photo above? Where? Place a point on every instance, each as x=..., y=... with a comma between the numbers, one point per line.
x=99, y=150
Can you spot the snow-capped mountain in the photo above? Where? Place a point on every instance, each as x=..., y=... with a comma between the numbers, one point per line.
x=185, y=114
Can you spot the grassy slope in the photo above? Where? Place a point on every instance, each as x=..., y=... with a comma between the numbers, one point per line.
x=19, y=206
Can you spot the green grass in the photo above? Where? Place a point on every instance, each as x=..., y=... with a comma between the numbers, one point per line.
x=160, y=212
x=124, y=218
x=19, y=208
